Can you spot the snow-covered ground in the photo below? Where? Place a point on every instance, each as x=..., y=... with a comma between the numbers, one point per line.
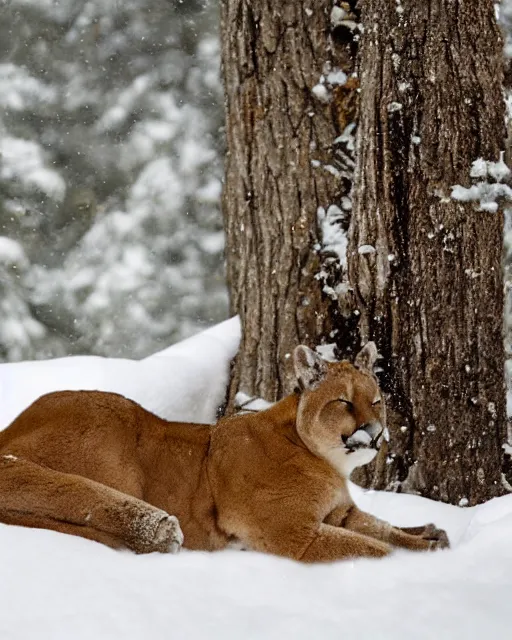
x=57, y=587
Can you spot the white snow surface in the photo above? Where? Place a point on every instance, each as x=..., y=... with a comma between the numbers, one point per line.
x=56, y=587
x=168, y=383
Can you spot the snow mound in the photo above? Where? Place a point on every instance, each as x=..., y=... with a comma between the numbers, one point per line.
x=168, y=383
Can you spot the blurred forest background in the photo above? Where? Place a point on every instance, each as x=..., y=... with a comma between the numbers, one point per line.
x=111, y=145
x=111, y=118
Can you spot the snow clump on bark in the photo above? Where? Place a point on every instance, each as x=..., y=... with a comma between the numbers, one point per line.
x=486, y=193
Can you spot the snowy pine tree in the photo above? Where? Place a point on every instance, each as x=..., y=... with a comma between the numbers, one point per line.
x=110, y=175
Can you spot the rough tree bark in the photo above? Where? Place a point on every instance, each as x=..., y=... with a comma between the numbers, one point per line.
x=431, y=294
x=279, y=170
x=425, y=270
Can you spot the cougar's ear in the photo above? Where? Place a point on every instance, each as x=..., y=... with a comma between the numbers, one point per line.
x=310, y=368
x=367, y=357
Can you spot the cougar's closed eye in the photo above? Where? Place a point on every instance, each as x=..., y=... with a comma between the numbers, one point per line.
x=377, y=402
x=347, y=403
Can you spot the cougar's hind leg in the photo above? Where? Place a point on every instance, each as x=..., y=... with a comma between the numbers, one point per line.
x=36, y=496
x=423, y=538
x=333, y=543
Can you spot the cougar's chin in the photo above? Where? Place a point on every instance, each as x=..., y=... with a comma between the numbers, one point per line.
x=360, y=457
x=345, y=461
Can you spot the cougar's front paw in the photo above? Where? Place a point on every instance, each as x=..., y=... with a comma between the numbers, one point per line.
x=168, y=536
x=438, y=538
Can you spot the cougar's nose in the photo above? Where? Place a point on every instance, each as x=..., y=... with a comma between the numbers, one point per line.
x=373, y=429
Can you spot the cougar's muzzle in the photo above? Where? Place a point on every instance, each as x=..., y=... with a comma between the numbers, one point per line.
x=368, y=436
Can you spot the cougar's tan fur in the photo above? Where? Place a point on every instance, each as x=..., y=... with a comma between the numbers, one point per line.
x=99, y=466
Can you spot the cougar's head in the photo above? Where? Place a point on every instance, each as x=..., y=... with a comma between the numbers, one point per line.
x=341, y=414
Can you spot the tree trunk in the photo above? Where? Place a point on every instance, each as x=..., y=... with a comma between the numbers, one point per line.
x=280, y=169
x=431, y=294
x=424, y=271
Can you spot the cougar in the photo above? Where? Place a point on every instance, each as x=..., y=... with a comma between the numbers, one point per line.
x=99, y=466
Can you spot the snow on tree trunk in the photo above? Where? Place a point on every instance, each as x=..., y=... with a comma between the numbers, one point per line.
x=431, y=294
x=286, y=103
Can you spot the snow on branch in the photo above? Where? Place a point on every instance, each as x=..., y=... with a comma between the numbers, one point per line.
x=484, y=191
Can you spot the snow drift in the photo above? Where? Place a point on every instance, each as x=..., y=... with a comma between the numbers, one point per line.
x=168, y=383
